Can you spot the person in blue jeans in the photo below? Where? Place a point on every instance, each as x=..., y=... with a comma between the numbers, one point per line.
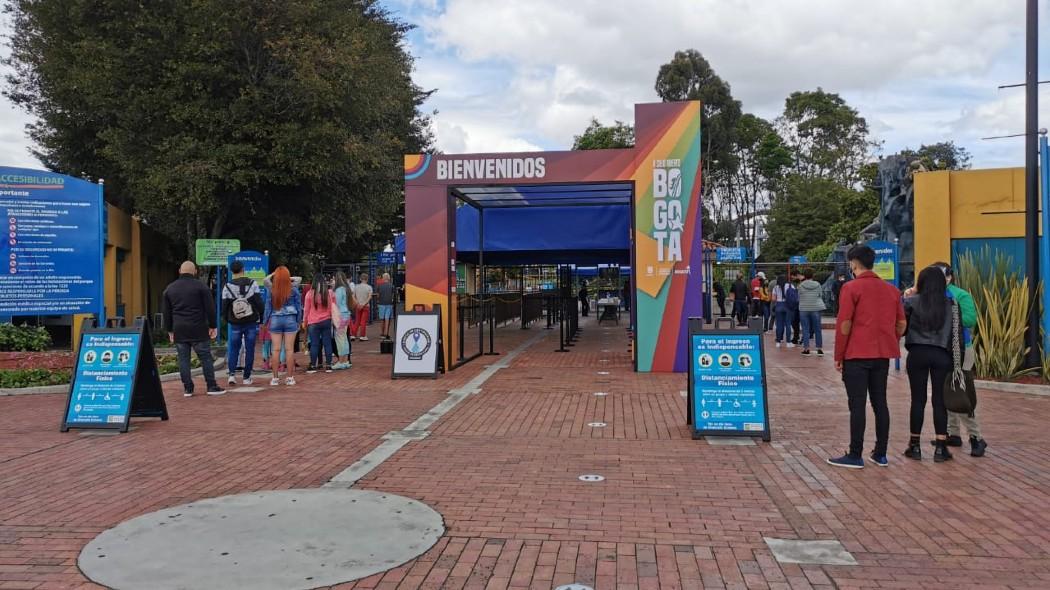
x=781, y=297
x=810, y=304
x=283, y=314
x=242, y=307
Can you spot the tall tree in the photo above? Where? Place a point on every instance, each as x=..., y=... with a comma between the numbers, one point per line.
x=601, y=137
x=944, y=155
x=801, y=219
x=281, y=123
x=827, y=137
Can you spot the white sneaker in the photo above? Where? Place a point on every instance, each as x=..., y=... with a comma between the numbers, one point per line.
x=363, y=338
x=790, y=345
x=778, y=345
x=247, y=381
x=352, y=338
x=289, y=381
x=231, y=380
x=275, y=382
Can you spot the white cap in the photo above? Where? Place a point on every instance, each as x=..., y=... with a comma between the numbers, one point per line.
x=761, y=275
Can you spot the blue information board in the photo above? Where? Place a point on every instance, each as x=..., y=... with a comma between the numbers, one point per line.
x=52, y=244
x=728, y=384
x=731, y=255
x=385, y=258
x=104, y=379
x=797, y=260
x=256, y=264
x=886, y=263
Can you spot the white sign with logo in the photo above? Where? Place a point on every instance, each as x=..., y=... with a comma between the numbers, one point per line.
x=416, y=344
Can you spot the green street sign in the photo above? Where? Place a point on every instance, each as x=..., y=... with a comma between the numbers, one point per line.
x=216, y=252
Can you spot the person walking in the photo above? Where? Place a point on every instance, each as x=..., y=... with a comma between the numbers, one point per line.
x=243, y=307
x=720, y=297
x=189, y=319
x=740, y=301
x=362, y=292
x=318, y=304
x=283, y=314
x=795, y=279
x=928, y=340
x=867, y=335
x=342, y=302
x=385, y=300
x=810, y=304
x=780, y=298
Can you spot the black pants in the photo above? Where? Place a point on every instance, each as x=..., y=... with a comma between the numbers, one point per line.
x=740, y=311
x=925, y=363
x=796, y=326
x=203, y=350
x=585, y=307
x=866, y=379
x=722, y=306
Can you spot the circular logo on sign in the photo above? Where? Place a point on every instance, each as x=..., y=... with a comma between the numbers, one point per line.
x=744, y=360
x=123, y=357
x=90, y=356
x=725, y=361
x=706, y=360
x=415, y=343
x=107, y=356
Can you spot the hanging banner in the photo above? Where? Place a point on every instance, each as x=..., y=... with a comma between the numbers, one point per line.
x=52, y=244
x=727, y=384
x=115, y=378
x=886, y=265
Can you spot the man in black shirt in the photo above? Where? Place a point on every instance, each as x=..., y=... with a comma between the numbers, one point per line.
x=189, y=318
x=741, y=294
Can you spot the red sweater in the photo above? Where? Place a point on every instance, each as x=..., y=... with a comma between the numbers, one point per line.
x=873, y=309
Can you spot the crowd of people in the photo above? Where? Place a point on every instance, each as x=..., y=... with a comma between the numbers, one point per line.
x=331, y=312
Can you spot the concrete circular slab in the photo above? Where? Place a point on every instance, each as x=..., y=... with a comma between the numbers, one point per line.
x=286, y=539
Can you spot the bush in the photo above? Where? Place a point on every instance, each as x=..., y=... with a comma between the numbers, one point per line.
x=23, y=338
x=169, y=363
x=16, y=378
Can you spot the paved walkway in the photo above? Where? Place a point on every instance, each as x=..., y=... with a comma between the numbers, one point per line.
x=502, y=468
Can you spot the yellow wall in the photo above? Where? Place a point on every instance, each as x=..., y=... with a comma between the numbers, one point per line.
x=966, y=204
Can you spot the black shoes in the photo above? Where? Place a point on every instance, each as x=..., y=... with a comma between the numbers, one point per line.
x=977, y=446
x=941, y=452
x=311, y=370
x=953, y=440
x=913, y=452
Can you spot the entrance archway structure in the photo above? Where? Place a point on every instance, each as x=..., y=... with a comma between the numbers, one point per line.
x=666, y=248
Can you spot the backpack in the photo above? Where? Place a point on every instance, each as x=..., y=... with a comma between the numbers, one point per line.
x=241, y=308
x=791, y=296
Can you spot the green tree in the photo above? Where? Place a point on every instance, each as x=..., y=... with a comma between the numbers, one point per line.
x=600, y=137
x=944, y=155
x=281, y=123
x=801, y=219
x=827, y=137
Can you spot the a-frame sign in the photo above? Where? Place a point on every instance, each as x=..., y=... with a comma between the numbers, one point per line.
x=115, y=378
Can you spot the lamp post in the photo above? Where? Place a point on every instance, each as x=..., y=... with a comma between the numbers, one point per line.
x=1032, y=340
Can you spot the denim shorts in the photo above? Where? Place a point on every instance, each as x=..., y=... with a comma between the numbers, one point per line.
x=283, y=324
x=386, y=312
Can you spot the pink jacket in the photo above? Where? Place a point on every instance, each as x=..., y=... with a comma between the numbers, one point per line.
x=315, y=314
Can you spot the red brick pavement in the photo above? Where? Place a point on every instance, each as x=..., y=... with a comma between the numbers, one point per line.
x=502, y=468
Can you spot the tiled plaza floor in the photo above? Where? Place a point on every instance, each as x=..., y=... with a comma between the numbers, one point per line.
x=502, y=469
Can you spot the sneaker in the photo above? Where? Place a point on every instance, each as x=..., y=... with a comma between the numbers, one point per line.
x=187, y=394
x=216, y=390
x=289, y=381
x=848, y=461
x=352, y=338
x=805, y=352
x=328, y=369
x=311, y=370
x=791, y=345
x=880, y=460
x=363, y=339
x=820, y=352
x=231, y=380
x=275, y=382
x=778, y=344
x=247, y=381
x=977, y=446
x=913, y=452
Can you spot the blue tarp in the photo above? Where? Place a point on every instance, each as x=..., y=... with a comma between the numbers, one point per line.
x=544, y=235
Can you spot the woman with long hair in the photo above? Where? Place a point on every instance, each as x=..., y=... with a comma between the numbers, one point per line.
x=318, y=304
x=283, y=314
x=342, y=301
x=928, y=341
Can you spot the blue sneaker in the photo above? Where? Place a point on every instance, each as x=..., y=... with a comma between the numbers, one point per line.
x=880, y=460
x=847, y=461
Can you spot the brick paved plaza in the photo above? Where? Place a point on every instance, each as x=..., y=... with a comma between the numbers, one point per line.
x=502, y=467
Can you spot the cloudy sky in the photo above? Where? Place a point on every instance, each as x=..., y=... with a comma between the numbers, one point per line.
x=518, y=75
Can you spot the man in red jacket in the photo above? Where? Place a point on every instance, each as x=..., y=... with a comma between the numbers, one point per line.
x=867, y=335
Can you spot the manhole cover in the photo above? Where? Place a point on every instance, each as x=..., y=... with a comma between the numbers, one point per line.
x=591, y=477
x=574, y=587
x=600, y=394
x=596, y=424
x=286, y=539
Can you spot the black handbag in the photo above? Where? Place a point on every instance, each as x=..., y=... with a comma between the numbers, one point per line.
x=960, y=395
